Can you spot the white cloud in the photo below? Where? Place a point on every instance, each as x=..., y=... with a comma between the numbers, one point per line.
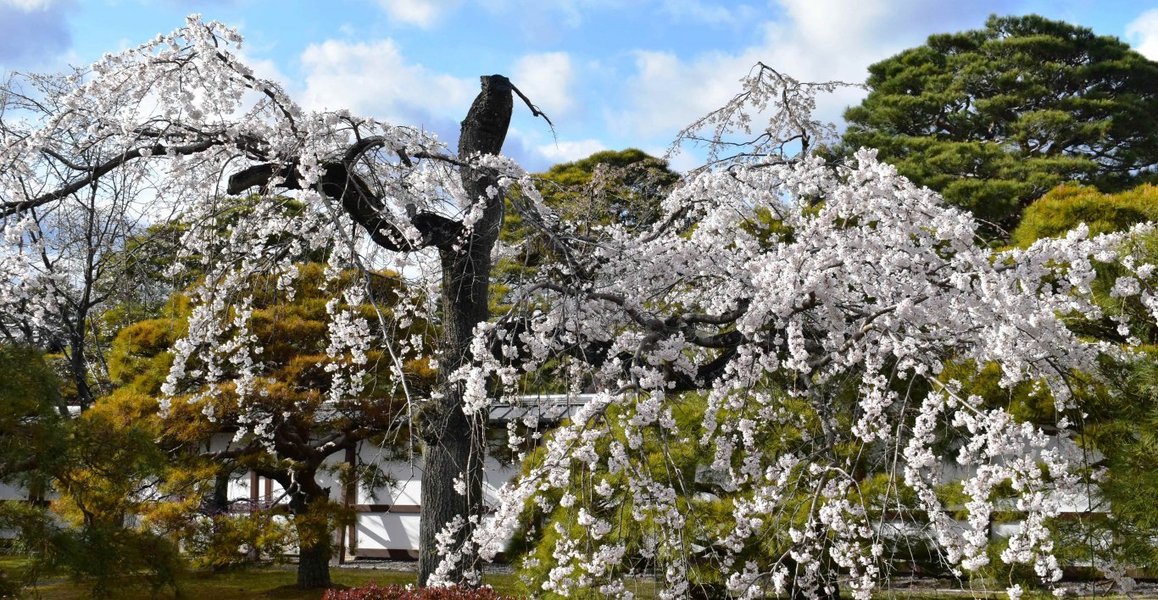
x=28, y=5
x=422, y=13
x=569, y=150
x=546, y=79
x=266, y=68
x=811, y=27
x=707, y=13
x=668, y=93
x=810, y=40
x=1143, y=33
x=375, y=79
x=568, y=13
x=547, y=22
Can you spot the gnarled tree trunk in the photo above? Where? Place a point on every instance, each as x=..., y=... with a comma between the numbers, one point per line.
x=314, y=558
x=452, y=442
x=311, y=519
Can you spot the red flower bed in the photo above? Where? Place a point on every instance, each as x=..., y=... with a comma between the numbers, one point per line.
x=397, y=592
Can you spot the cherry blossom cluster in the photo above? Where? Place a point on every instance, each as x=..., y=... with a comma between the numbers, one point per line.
x=816, y=307
x=25, y=283
x=813, y=308
x=165, y=124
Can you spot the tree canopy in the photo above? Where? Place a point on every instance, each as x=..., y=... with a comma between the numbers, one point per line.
x=994, y=118
x=29, y=421
x=814, y=305
x=625, y=187
x=293, y=423
x=1068, y=206
x=1122, y=410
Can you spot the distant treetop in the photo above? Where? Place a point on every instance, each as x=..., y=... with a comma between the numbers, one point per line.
x=994, y=118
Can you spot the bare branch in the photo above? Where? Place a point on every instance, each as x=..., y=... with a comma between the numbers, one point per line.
x=94, y=173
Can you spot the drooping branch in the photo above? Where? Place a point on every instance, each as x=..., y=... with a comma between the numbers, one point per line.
x=597, y=354
x=259, y=175
x=95, y=172
x=535, y=110
x=368, y=211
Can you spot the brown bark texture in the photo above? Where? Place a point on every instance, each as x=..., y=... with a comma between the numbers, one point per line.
x=453, y=444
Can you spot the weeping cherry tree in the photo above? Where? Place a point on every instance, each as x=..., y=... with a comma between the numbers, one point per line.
x=183, y=118
x=815, y=307
x=830, y=316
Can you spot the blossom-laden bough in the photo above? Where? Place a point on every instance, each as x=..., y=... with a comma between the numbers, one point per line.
x=813, y=306
x=816, y=308
x=180, y=124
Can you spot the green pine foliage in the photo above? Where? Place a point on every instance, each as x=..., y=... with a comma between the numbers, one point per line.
x=676, y=462
x=293, y=394
x=620, y=186
x=31, y=428
x=994, y=118
x=612, y=186
x=97, y=464
x=1122, y=427
x=679, y=461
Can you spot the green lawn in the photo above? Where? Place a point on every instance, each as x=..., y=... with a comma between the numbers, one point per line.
x=267, y=582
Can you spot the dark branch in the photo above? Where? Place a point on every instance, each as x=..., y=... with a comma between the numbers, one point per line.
x=534, y=109
x=357, y=199
x=259, y=176
x=93, y=173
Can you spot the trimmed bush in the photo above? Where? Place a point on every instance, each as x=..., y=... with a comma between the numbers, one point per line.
x=1065, y=206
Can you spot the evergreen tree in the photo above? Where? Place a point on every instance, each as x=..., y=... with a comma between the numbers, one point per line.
x=994, y=118
x=623, y=187
x=304, y=418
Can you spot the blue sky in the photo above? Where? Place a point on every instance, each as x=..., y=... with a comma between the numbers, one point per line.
x=610, y=73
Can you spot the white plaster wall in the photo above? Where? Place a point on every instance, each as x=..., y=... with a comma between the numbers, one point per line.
x=399, y=531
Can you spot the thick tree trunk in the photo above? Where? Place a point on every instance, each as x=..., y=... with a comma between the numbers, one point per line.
x=314, y=561
x=453, y=443
x=311, y=519
x=218, y=502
